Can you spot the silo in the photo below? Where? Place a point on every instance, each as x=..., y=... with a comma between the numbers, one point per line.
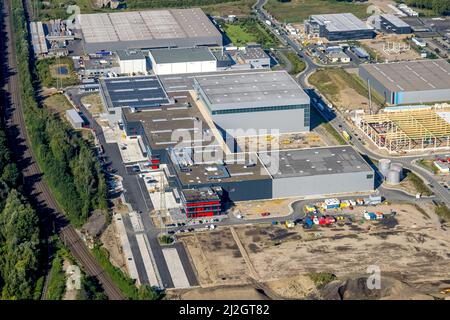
x=398, y=167
x=384, y=165
x=393, y=177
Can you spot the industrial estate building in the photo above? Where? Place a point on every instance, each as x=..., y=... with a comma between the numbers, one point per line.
x=243, y=104
x=132, y=61
x=147, y=29
x=132, y=92
x=336, y=27
x=74, y=118
x=393, y=24
x=182, y=60
x=409, y=82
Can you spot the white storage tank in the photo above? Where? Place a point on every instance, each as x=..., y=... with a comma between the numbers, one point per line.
x=384, y=165
x=393, y=177
x=398, y=167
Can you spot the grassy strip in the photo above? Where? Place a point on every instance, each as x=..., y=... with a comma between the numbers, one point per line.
x=125, y=284
x=418, y=184
x=428, y=165
x=298, y=65
x=320, y=279
x=330, y=130
x=57, y=285
x=443, y=211
x=45, y=67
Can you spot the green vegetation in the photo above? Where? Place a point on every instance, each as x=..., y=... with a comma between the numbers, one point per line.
x=47, y=73
x=299, y=10
x=418, y=184
x=330, y=81
x=165, y=239
x=430, y=7
x=123, y=282
x=443, y=211
x=428, y=164
x=238, y=8
x=57, y=9
x=68, y=161
x=298, y=65
x=57, y=284
x=19, y=246
x=91, y=289
x=330, y=130
x=247, y=30
x=320, y=279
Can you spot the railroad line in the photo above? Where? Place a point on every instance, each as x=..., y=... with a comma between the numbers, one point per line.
x=34, y=184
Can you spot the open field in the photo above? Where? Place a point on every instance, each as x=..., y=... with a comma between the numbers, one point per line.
x=344, y=89
x=94, y=104
x=57, y=103
x=411, y=246
x=299, y=10
x=249, y=30
x=237, y=8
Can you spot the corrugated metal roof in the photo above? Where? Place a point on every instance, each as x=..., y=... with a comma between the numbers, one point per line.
x=182, y=55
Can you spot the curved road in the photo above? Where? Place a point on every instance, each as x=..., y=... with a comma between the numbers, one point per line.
x=339, y=123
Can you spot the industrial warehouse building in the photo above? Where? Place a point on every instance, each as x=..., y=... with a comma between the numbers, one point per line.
x=337, y=27
x=393, y=24
x=132, y=61
x=243, y=104
x=182, y=60
x=409, y=82
x=147, y=29
x=321, y=171
x=132, y=92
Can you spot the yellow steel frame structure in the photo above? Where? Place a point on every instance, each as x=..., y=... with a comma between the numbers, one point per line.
x=408, y=130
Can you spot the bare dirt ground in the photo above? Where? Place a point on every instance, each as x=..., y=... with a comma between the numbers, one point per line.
x=112, y=244
x=383, y=5
x=412, y=246
x=382, y=44
x=280, y=142
x=94, y=104
x=253, y=209
x=242, y=292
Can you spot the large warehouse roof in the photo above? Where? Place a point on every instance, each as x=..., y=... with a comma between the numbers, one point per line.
x=315, y=161
x=340, y=22
x=133, y=92
x=250, y=90
x=412, y=75
x=396, y=21
x=147, y=29
x=182, y=55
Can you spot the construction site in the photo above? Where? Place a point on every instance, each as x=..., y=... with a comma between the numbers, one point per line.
x=408, y=129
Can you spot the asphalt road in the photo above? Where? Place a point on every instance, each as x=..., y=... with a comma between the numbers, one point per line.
x=338, y=122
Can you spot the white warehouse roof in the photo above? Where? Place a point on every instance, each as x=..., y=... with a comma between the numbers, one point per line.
x=340, y=22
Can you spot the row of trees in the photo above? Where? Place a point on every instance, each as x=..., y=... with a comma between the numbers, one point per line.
x=440, y=7
x=135, y=4
x=19, y=233
x=68, y=162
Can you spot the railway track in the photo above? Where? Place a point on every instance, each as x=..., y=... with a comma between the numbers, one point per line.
x=34, y=184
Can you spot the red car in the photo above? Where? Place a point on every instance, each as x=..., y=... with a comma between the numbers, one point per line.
x=265, y=214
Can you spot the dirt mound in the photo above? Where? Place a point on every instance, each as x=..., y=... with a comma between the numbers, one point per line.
x=356, y=288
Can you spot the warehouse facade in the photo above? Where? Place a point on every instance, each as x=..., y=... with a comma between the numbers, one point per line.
x=132, y=61
x=393, y=24
x=245, y=104
x=147, y=29
x=182, y=60
x=337, y=27
x=409, y=82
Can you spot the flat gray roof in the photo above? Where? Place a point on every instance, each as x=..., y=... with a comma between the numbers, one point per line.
x=315, y=161
x=133, y=92
x=250, y=90
x=419, y=75
x=396, y=21
x=182, y=55
x=130, y=54
x=74, y=115
x=145, y=25
x=340, y=22
x=253, y=53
